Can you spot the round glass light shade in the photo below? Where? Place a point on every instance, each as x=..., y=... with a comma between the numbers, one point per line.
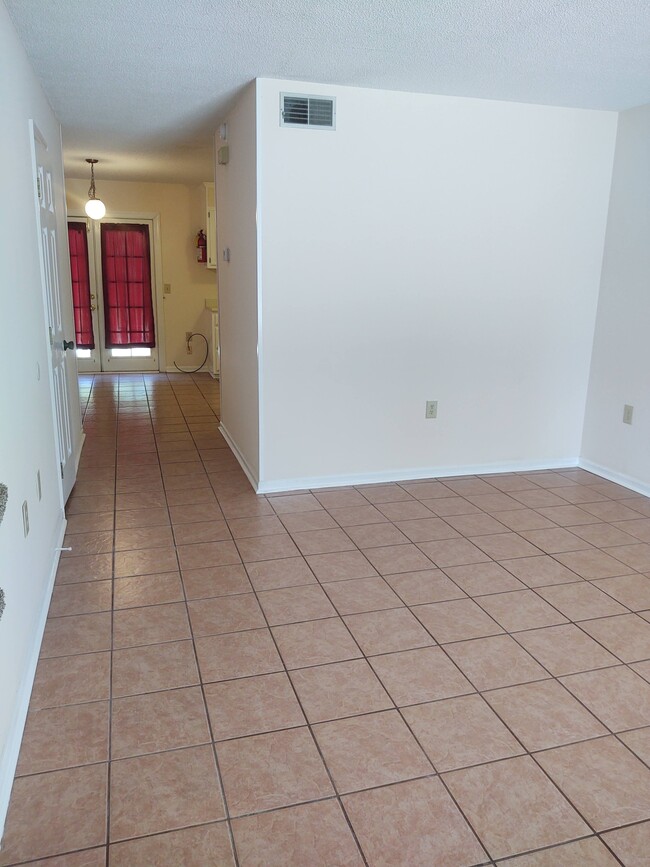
x=95, y=209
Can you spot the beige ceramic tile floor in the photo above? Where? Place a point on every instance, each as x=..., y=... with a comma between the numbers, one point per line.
x=443, y=672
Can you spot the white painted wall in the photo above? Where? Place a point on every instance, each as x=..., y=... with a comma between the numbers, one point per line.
x=26, y=423
x=620, y=365
x=236, y=196
x=430, y=248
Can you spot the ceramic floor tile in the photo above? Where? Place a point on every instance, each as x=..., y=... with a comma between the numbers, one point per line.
x=316, y=520
x=505, y=546
x=225, y=614
x=339, y=690
x=480, y=579
x=414, y=676
x=540, y=571
x=71, y=810
x=293, y=604
x=81, y=633
x=93, y=567
x=361, y=594
x=514, y=807
x=304, y=834
x=398, y=558
x=163, y=792
x=142, y=590
x=71, y=680
x=635, y=556
x=456, y=620
x=273, y=770
x=340, y=566
x=630, y=844
x=323, y=541
x=267, y=548
x=639, y=742
x=565, y=649
x=453, y=552
x=201, y=531
x=403, y=824
x=377, y=535
x=191, y=847
x=522, y=609
x=64, y=737
x=252, y=705
x=405, y=511
x=216, y=581
x=593, y=564
x=158, y=721
x=315, y=642
x=608, y=784
x=387, y=631
x=87, y=597
x=496, y=661
x=627, y=636
x=459, y=732
x=633, y=591
x=555, y=540
x=152, y=624
x=428, y=585
x=427, y=530
x=619, y=697
x=586, y=851
x=287, y=572
x=143, y=537
x=544, y=714
x=208, y=554
x=367, y=751
x=238, y=654
x=145, y=562
x=581, y=601
x=476, y=525
x=154, y=667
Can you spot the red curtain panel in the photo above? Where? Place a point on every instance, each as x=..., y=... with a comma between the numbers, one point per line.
x=126, y=275
x=83, y=318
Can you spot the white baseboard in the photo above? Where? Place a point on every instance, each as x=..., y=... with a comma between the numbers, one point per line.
x=252, y=478
x=10, y=753
x=612, y=476
x=404, y=475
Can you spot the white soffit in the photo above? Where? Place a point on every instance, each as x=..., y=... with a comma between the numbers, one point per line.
x=142, y=84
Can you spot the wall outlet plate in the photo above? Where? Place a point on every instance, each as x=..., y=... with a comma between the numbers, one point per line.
x=431, y=409
x=627, y=413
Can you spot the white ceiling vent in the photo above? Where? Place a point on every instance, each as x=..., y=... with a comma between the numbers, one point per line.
x=308, y=112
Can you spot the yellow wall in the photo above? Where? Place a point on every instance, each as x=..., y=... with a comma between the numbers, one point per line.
x=182, y=214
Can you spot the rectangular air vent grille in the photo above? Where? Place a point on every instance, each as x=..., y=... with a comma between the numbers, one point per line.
x=307, y=111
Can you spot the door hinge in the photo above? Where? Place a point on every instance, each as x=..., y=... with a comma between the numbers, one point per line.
x=39, y=192
x=51, y=335
x=61, y=465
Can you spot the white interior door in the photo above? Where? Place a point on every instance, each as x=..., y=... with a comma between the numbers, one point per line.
x=61, y=342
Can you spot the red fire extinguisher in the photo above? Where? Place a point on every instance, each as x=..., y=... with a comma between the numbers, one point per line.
x=202, y=247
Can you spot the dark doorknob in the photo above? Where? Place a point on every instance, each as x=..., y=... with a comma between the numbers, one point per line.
x=68, y=344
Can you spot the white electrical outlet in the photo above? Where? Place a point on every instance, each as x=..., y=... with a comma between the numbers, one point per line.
x=627, y=413
x=431, y=409
x=25, y=519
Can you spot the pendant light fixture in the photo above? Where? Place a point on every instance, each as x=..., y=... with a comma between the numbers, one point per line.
x=95, y=208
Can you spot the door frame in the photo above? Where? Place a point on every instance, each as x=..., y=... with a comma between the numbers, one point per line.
x=95, y=267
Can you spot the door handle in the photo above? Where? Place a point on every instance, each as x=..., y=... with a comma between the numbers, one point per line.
x=68, y=344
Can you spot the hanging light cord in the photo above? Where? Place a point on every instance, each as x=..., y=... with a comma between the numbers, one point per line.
x=91, y=189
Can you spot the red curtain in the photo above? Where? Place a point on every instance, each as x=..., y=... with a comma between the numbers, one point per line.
x=126, y=275
x=83, y=319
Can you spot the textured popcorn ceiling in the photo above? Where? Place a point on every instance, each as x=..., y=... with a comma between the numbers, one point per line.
x=142, y=84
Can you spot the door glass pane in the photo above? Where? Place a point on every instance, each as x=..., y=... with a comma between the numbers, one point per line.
x=80, y=275
x=126, y=277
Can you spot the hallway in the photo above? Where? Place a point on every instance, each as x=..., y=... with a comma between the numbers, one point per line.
x=440, y=673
